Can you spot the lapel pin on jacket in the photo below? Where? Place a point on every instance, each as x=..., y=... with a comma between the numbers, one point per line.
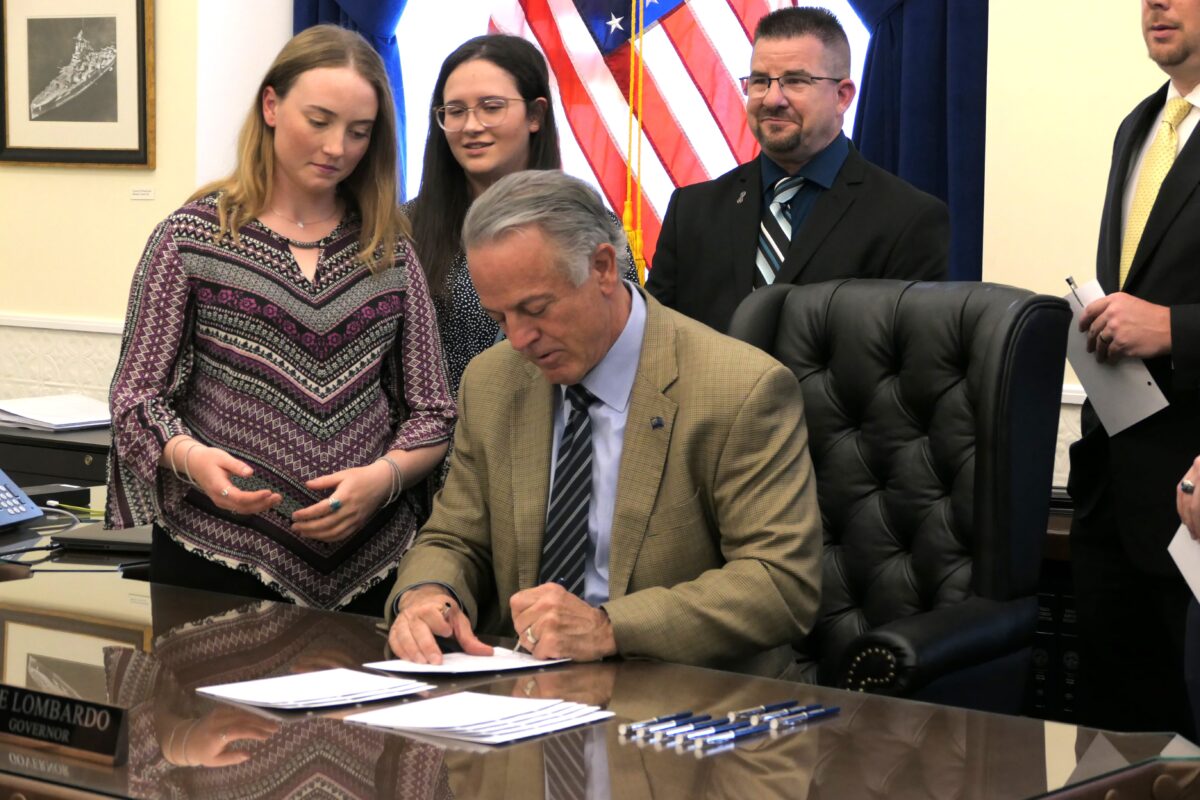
x=741, y=197
x=656, y=422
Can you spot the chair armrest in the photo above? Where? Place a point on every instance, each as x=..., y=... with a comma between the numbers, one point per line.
x=908, y=653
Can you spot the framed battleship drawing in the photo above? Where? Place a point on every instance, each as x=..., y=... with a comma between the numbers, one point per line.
x=77, y=82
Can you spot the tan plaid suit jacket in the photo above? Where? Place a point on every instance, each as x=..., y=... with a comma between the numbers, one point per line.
x=716, y=536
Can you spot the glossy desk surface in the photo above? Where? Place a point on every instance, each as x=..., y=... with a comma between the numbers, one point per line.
x=147, y=647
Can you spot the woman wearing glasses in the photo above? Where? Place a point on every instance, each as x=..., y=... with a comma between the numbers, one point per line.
x=493, y=116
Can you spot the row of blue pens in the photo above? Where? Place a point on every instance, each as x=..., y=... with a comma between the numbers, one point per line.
x=686, y=729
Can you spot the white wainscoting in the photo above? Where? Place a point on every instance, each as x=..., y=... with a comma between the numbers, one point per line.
x=44, y=355
x=48, y=355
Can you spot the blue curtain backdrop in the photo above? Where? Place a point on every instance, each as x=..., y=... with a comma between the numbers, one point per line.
x=922, y=107
x=376, y=20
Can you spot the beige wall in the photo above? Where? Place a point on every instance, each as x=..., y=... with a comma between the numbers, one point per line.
x=1061, y=77
x=71, y=236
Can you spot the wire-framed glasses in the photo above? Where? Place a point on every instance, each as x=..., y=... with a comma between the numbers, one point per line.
x=792, y=83
x=489, y=112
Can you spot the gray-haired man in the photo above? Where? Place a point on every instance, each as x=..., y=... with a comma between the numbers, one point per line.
x=625, y=480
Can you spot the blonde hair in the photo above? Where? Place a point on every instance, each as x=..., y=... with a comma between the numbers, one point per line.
x=371, y=187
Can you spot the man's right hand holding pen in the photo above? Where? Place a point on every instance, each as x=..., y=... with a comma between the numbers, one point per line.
x=425, y=612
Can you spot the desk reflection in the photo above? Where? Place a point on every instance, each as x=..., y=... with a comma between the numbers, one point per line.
x=185, y=745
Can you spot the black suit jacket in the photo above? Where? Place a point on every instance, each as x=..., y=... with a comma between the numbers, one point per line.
x=1142, y=464
x=869, y=224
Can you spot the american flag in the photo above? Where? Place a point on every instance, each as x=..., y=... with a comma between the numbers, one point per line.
x=692, y=132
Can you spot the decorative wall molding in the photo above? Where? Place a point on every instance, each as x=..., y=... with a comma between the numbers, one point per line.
x=42, y=359
x=51, y=323
x=46, y=355
x=1073, y=394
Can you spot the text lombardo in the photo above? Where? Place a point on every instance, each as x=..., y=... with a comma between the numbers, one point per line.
x=54, y=709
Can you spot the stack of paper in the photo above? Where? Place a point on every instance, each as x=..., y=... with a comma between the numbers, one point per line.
x=483, y=718
x=501, y=660
x=330, y=687
x=60, y=412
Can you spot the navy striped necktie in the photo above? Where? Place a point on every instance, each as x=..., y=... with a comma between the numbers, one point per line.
x=565, y=546
x=775, y=230
x=565, y=758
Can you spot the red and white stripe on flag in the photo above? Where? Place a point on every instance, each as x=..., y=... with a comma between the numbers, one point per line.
x=694, y=117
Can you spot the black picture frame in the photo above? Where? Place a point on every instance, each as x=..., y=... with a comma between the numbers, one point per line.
x=67, y=103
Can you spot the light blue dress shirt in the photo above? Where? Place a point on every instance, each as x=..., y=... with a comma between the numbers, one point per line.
x=611, y=381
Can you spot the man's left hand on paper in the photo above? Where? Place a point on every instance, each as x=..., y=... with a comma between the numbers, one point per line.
x=425, y=612
x=1123, y=326
x=1188, y=503
x=553, y=623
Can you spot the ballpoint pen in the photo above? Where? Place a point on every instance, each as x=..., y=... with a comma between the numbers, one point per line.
x=683, y=726
x=700, y=733
x=758, y=719
x=746, y=712
x=802, y=717
x=629, y=728
x=1071, y=283
x=649, y=731
x=735, y=735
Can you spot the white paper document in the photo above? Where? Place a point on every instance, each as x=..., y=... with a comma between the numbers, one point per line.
x=501, y=660
x=1186, y=552
x=483, y=718
x=1123, y=393
x=58, y=412
x=330, y=687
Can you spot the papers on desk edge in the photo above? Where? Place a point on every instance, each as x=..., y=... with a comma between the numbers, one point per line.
x=1123, y=393
x=482, y=718
x=502, y=660
x=323, y=689
x=60, y=412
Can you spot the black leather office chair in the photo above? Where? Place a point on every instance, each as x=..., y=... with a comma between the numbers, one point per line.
x=932, y=413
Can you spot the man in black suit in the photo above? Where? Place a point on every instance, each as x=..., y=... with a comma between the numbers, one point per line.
x=723, y=238
x=1131, y=600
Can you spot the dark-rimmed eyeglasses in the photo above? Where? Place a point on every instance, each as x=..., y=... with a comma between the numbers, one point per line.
x=791, y=83
x=489, y=112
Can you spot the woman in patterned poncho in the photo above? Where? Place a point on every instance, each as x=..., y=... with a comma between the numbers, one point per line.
x=280, y=393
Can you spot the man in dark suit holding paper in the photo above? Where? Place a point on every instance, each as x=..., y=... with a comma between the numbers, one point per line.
x=809, y=208
x=1131, y=600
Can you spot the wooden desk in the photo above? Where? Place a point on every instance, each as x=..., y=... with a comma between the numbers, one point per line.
x=152, y=645
x=32, y=458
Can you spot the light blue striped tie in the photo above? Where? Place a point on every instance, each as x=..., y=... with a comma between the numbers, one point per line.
x=775, y=229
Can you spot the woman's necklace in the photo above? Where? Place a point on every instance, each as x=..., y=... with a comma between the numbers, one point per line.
x=300, y=224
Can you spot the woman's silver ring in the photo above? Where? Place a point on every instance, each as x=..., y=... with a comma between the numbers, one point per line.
x=1187, y=487
x=225, y=492
x=529, y=635
x=334, y=504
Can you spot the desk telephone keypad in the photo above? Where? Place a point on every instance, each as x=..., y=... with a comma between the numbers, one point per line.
x=10, y=503
x=15, y=505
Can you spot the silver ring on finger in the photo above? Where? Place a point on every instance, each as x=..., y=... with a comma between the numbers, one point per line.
x=529, y=635
x=225, y=492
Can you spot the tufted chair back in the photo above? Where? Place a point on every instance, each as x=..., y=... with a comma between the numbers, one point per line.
x=932, y=412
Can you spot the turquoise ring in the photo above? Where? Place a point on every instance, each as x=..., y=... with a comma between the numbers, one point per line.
x=334, y=504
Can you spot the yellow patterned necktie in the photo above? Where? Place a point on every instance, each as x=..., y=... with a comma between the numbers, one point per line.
x=1155, y=167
